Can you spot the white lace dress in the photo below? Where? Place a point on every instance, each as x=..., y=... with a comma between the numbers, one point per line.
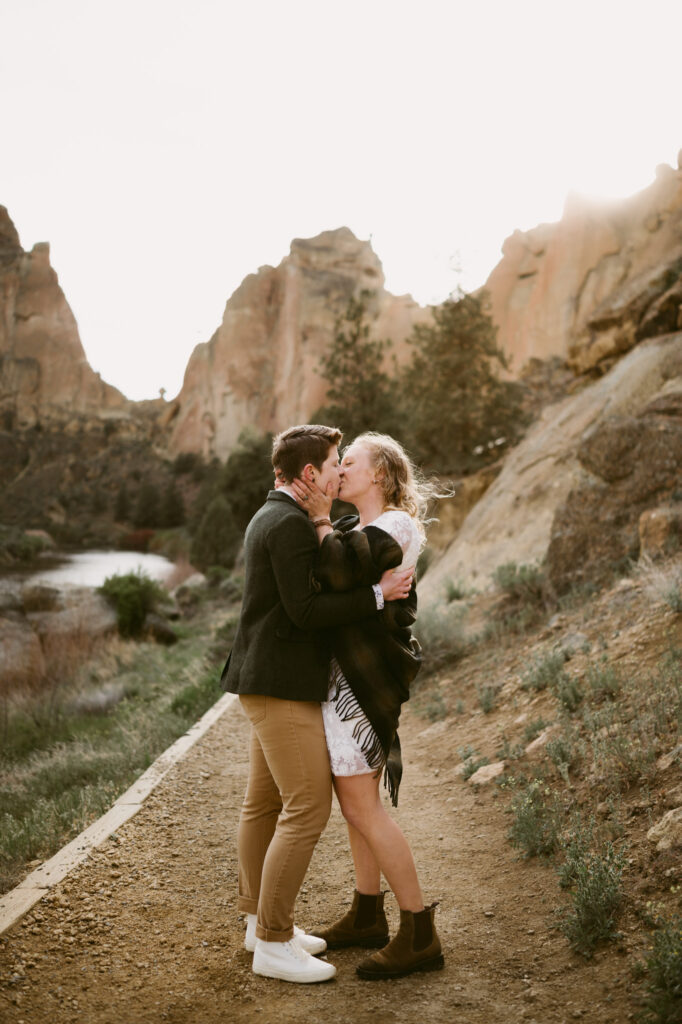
x=344, y=720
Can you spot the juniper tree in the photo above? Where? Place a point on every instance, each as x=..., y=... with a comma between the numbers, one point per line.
x=457, y=405
x=360, y=394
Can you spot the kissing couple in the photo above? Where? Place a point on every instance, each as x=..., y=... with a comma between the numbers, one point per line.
x=322, y=661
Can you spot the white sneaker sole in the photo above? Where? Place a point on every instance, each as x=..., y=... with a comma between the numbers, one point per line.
x=300, y=977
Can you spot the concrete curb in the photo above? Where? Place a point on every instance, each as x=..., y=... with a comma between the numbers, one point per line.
x=14, y=904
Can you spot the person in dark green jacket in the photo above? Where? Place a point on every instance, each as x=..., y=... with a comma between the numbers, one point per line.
x=279, y=666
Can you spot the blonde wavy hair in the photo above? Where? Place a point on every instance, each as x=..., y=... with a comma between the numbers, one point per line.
x=402, y=484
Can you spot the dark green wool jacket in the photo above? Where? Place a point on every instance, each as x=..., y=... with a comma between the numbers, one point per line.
x=281, y=648
x=378, y=656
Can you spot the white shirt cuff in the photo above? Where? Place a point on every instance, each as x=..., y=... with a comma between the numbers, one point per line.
x=379, y=594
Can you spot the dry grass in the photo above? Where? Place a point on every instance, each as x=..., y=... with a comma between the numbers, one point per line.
x=662, y=581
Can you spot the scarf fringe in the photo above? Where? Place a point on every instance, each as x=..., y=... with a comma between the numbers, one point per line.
x=348, y=709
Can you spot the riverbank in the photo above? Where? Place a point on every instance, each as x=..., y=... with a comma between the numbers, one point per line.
x=76, y=734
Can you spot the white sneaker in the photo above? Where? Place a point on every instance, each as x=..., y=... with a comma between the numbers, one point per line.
x=310, y=943
x=289, y=962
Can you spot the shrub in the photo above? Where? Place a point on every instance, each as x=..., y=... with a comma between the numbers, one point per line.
x=455, y=590
x=597, y=899
x=662, y=582
x=603, y=680
x=535, y=822
x=218, y=538
x=663, y=1002
x=524, y=584
x=533, y=729
x=544, y=671
x=15, y=545
x=487, y=696
x=473, y=760
x=563, y=752
x=567, y=691
x=133, y=596
x=575, y=846
x=440, y=631
x=429, y=703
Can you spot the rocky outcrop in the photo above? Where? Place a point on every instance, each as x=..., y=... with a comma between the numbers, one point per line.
x=260, y=368
x=43, y=368
x=592, y=286
x=573, y=490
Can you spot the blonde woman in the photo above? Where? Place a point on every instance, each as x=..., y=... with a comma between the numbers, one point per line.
x=372, y=666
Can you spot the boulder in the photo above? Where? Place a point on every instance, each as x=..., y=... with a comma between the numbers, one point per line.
x=660, y=531
x=632, y=461
x=667, y=833
x=486, y=773
x=21, y=656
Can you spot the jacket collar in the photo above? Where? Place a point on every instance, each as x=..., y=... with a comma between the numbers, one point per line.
x=281, y=496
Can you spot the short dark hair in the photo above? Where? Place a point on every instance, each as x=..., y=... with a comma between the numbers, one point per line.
x=295, y=447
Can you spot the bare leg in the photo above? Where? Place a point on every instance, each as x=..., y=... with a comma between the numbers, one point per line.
x=367, y=870
x=382, y=846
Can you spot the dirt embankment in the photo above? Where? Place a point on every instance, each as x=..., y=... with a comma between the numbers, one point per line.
x=146, y=930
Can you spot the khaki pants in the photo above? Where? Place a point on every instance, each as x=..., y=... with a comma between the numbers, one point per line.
x=286, y=807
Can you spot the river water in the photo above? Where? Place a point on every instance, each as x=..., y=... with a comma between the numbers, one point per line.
x=88, y=569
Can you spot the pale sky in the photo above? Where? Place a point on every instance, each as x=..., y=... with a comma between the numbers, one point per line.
x=167, y=149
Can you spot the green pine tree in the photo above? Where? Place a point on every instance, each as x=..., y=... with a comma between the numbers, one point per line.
x=172, y=506
x=218, y=537
x=459, y=410
x=248, y=475
x=360, y=395
x=147, y=507
x=122, y=507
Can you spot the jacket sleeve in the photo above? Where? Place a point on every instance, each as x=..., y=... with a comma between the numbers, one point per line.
x=294, y=550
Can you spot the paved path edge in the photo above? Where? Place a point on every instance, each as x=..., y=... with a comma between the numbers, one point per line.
x=18, y=901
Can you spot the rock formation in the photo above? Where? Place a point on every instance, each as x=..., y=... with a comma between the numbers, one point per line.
x=260, y=368
x=590, y=287
x=573, y=491
x=43, y=369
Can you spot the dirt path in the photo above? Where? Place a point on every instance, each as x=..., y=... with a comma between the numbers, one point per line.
x=147, y=930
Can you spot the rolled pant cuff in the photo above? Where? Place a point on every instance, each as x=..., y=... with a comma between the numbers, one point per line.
x=246, y=905
x=269, y=935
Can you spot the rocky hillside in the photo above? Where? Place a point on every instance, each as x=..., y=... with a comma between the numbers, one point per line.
x=589, y=288
x=260, y=368
x=594, y=478
x=43, y=369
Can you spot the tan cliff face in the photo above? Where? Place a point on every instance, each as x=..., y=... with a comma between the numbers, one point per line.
x=43, y=368
x=592, y=286
x=260, y=368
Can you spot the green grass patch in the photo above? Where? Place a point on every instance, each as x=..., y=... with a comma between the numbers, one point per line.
x=60, y=771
